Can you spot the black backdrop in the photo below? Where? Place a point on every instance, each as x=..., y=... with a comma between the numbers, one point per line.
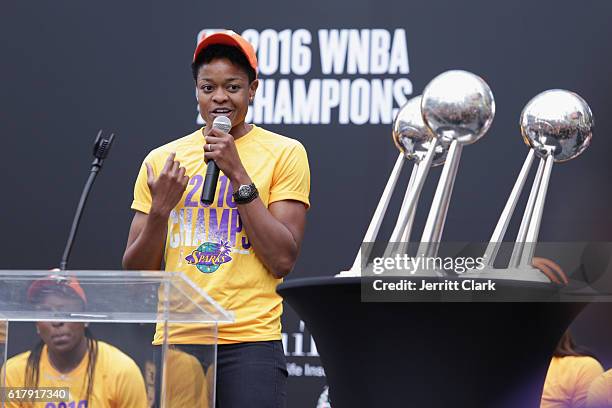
x=69, y=68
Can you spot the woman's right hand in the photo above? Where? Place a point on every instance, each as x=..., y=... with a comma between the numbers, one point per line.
x=167, y=190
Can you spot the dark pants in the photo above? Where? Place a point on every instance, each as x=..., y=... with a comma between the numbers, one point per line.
x=252, y=375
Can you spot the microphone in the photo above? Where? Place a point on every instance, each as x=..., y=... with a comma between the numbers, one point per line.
x=212, y=170
x=101, y=148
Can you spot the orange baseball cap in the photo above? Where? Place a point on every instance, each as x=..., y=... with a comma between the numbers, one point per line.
x=228, y=37
x=52, y=281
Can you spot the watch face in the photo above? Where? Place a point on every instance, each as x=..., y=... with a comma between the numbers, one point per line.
x=244, y=191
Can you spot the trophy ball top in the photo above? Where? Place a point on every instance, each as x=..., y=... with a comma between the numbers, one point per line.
x=412, y=137
x=557, y=122
x=458, y=105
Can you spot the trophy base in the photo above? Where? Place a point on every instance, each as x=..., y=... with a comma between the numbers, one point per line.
x=351, y=273
x=525, y=273
x=357, y=272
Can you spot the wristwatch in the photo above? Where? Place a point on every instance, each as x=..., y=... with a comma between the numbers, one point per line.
x=245, y=193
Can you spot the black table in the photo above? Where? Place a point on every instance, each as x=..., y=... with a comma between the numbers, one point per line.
x=430, y=354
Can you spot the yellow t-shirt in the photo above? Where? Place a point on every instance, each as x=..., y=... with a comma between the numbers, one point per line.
x=568, y=380
x=118, y=382
x=208, y=243
x=187, y=385
x=600, y=392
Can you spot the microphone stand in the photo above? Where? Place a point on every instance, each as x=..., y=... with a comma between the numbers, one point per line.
x=101, y=147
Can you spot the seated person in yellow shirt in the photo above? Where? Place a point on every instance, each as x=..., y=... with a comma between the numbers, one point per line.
x=187, y=385
x=570, y=374
x=600, y=392
x=97, y=374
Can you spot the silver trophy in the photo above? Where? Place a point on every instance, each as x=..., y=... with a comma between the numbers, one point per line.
x=419, y=144
x=456, y=109
x=557, y=125
x=416, y=143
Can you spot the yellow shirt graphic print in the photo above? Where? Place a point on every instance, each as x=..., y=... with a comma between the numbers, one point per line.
x=213, y=231
x=209, y=244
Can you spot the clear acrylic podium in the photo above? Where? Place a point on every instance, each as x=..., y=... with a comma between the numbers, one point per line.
x=126, y=301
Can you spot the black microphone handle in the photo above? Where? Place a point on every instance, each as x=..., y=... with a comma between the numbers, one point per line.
x=210, y=183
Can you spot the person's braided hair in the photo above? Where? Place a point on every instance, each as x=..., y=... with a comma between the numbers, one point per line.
x=33, y=364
